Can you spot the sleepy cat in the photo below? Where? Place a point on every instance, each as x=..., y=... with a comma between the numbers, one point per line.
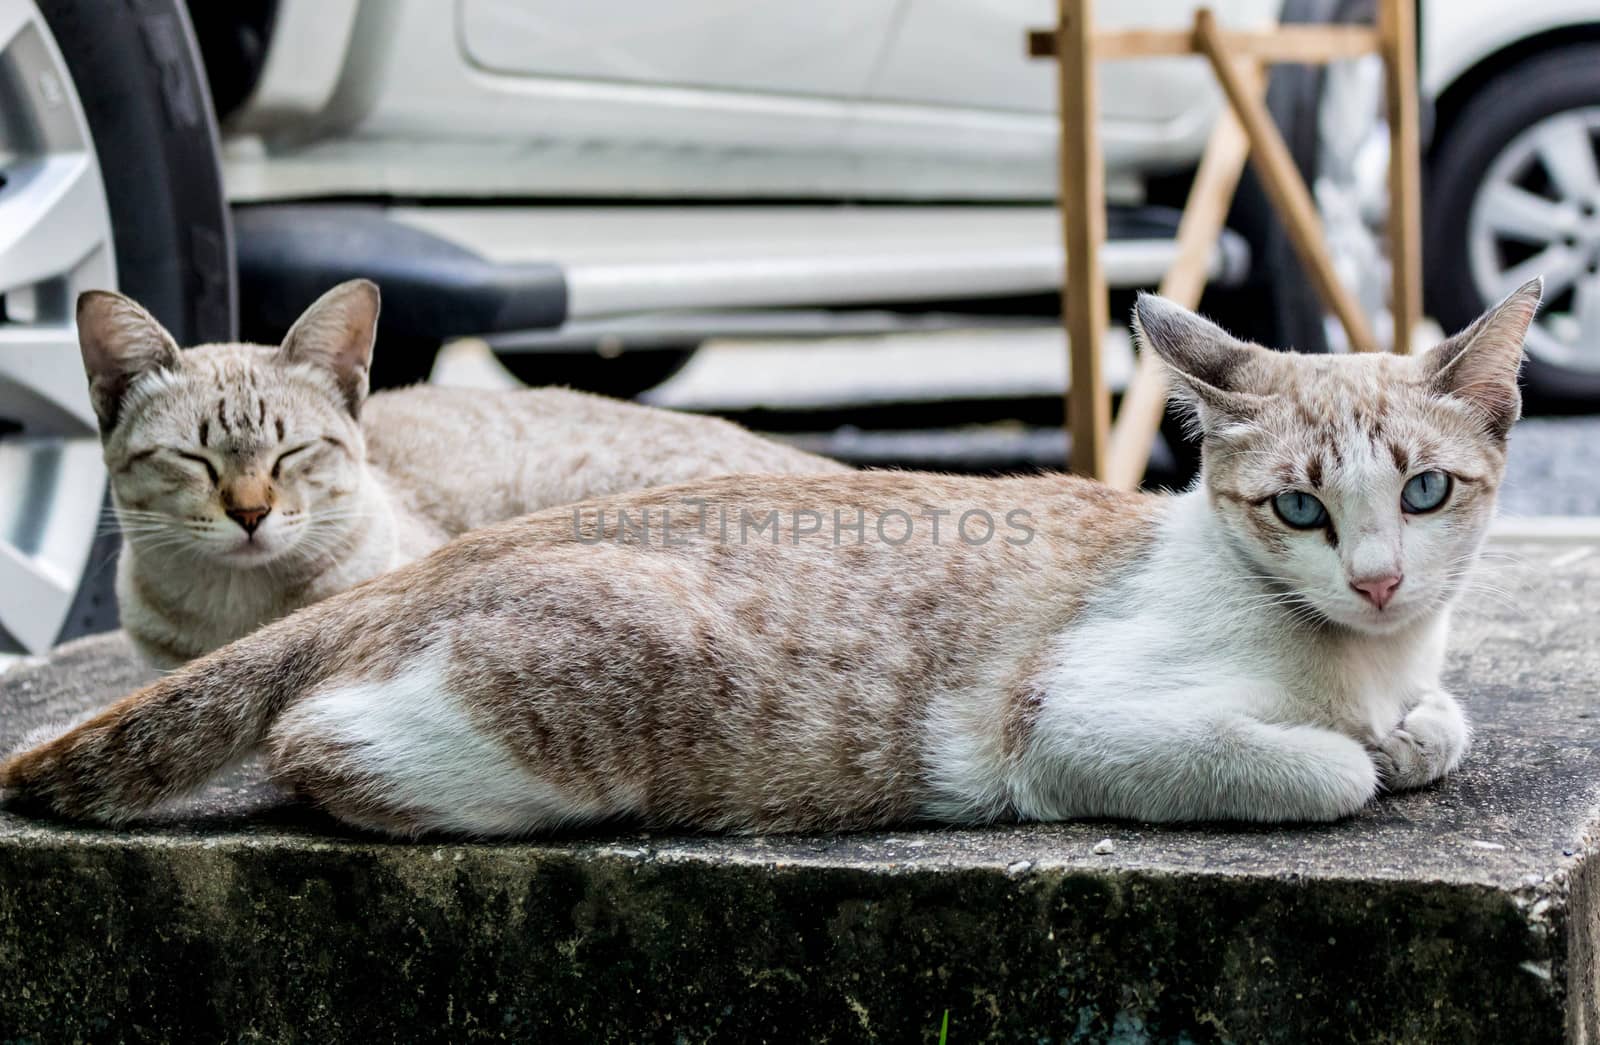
x=846, y=651
x=251, y=481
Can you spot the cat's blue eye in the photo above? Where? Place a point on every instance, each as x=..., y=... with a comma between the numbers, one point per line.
x=1300, y=510
x=1425, y=491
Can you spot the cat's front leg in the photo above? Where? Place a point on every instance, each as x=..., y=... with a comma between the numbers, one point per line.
x=1166, y=761
x=1428, y=743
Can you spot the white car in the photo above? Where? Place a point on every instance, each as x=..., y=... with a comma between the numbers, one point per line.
x=570, y=166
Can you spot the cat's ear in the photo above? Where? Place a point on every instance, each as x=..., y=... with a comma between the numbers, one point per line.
x=1479, y=365
x=336, y=333
x=120, y=342
x=1210, y=366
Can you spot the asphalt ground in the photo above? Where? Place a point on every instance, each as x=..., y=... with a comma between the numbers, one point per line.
x=1553, y=467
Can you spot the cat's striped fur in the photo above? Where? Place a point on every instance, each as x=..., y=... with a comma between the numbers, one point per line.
x=250, y=481
x=1132, y=655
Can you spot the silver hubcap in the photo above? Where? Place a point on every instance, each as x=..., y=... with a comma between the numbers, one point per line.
x=55, y=240
x=1352, y=190
x=1537, y=213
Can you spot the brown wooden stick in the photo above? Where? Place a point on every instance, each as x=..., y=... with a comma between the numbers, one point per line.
x=1397, y=32
x=1285, y=188
x=1309, y=44
x=1204, y=214
x=1083, y=218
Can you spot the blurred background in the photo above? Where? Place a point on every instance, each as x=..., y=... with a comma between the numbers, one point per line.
x=831, y=221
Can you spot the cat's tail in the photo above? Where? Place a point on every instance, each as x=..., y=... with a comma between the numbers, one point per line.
x=168, y=739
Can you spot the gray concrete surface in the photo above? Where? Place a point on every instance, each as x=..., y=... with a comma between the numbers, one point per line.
x=1553, y=467
x=1462, y=913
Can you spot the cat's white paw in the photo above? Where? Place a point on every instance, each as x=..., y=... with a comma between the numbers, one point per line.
x=1347, y=784
x=1428, y=743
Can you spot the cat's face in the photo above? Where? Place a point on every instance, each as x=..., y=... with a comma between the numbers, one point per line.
x=242, y=455
x=1358, y=488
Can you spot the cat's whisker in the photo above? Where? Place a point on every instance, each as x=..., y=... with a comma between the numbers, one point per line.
x=1508, y=598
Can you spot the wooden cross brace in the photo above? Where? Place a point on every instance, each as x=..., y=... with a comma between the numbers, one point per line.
x=1245, y=130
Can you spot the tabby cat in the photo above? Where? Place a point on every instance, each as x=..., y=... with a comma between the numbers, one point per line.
x=848, y=651
x=250, y=481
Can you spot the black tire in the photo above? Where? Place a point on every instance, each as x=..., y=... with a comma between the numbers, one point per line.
x=138, y=74
x=1279, y=306
x=1506, y=105
x=622, y=376
x=397, y=360
x=1276, y=306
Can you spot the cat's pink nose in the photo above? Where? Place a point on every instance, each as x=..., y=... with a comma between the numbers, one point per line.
x=1378, y=590
x=249, y=518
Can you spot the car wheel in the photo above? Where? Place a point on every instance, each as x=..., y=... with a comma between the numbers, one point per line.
x=397, y=360
x=90, y=88
x=622, y=376
x=1334, y=122
x=1514, y=192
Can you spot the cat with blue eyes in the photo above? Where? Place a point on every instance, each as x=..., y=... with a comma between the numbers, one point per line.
x=1265, y=646
x=1421, y=493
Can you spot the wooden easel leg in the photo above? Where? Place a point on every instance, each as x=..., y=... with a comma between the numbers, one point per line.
x=1397, y=39
x=1083, y=214
x=1285, y=188
x=1204, y=213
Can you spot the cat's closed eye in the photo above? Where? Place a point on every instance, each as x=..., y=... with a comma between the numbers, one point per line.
x=211, y=469
x=277, y=465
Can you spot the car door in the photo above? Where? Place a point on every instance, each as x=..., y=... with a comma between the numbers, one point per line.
x=821, y=48
x=968, y=59
x=535, y=98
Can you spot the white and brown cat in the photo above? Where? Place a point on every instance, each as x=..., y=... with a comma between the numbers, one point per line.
x=847, y=651
x=250, y=481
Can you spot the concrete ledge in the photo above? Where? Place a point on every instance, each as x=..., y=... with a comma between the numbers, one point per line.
x=1575, y=529
x=1466, y=913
